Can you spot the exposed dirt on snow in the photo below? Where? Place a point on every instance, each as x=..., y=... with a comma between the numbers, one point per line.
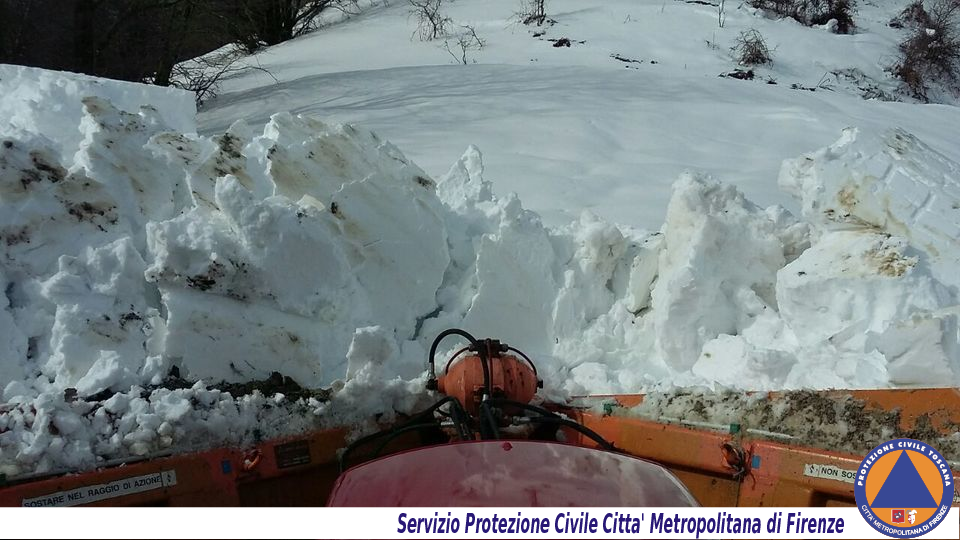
x=276, y=383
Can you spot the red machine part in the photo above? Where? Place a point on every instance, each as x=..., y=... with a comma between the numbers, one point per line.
x=509, y=473
x=510, y=377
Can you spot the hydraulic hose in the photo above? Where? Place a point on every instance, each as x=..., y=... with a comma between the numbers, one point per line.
x=554, y=418
x=474, y=345
x=416, y=422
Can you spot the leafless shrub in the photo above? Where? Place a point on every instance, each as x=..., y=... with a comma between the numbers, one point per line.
x=431, y=22
x=750, y=49
x=931, y=53
x=532, y=12
x=911, y=15
x=466, y=40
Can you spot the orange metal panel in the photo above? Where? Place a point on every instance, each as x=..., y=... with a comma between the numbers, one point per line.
x=195, y=476
x=778, y=474
x=709, y=489
x=693, y=455
x=784, y=475
x=213, y=478
x=665, y=443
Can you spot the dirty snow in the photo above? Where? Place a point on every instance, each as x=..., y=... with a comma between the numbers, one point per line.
x=835, y=420
x=48, y=102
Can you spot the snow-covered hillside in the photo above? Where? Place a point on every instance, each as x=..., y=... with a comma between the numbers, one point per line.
x=133, y=248
x=588, y=130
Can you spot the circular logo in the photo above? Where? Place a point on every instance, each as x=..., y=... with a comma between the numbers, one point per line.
x=904, y=488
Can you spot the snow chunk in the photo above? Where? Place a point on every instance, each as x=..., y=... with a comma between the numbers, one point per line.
x=923, y=349
x=519, y=308
x=643, y=272
x=717, y=268
x=729, y=360
x=105, y=373
x=893, y=183
x=464, y=183
x=370, y=349
x=98, y=334
x=852, y=282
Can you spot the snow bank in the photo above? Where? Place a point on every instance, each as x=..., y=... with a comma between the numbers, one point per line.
x=892, y=184
x=49, y=102
x=321, y=252
x=880, y=279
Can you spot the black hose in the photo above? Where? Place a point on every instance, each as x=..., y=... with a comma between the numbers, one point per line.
x=398, y=432
x=527, y=358
x=474, y=344
x=415, y=419
x=446, y=369
x=525, y=406
x=439, y=338
x=461, y=421
x=488, y=422
x=552, y=417
x=390, y=434
x=606, y=445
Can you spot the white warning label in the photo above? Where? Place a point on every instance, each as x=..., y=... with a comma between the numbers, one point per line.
x=99, y=492
x=830, y=472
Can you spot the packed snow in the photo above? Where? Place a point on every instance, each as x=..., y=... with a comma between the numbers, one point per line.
x=132, y=247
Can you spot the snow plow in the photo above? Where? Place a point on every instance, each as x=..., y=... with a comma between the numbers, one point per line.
x=770, y=449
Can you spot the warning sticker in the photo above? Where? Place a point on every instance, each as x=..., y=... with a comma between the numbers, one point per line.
x=830, y=472
x=292, y=454
x=99, y=492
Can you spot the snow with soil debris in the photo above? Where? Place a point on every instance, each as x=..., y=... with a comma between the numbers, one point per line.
x=130, y=246
x=834, y=420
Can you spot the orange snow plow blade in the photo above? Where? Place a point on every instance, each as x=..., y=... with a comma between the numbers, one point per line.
x=736, y=465
x=733, y=464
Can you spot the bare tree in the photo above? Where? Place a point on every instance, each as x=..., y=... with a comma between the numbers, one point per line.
x=466, y=40
x=257, y=23
x=431, y=22
x=204, y=74
x=533, y=12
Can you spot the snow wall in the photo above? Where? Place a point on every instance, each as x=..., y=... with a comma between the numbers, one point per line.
x=130, y=246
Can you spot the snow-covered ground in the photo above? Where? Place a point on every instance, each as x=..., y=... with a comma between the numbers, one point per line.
x=588, y=130
x=131, y=245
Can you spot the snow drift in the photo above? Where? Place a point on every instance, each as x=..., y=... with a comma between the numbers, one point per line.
x=321, y=252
